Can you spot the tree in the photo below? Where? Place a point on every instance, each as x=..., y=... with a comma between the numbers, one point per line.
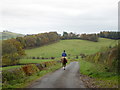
x=65, y=35
x=12, y=51
x=22, y=41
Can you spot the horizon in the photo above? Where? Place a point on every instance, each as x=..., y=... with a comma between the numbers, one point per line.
x=60, y=33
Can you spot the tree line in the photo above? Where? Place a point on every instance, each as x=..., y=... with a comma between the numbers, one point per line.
x=90, y=37
x=69, y=36
x=13, y=49
x=110, y=34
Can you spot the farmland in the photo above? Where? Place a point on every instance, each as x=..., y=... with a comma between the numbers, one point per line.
x=72, y=47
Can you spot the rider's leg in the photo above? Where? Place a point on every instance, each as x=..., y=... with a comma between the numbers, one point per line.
x=64, y=66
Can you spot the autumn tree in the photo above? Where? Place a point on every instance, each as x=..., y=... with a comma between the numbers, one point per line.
x=12, y=51
x=90, y=37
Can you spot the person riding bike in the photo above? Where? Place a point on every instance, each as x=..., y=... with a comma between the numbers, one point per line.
x=64, y=59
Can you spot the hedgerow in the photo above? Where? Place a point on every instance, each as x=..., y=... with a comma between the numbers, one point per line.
x=19, y=75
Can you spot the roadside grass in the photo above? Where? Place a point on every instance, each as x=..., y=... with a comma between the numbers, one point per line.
x=32, y=78
x=72, y=47
x=103, y=78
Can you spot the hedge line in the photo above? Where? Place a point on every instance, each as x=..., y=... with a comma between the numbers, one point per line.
x=19, y=75
x=108, y=57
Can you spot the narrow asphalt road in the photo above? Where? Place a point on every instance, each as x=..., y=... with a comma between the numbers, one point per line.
x=69, y=78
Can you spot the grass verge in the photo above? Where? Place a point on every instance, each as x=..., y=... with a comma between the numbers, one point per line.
x=103, y=78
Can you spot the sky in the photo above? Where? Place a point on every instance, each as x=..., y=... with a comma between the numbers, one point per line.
x=39, y=16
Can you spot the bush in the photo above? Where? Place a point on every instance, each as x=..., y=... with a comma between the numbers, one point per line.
x=30, y=69
x=33, y=57
x=76, y=57
x=52, y=57
x=82, y=55
x=97, y=57
x=39, y=66
x=108, y=57
x=38, y=58
x=16, y=75
x=20, y=75
x=42, y=58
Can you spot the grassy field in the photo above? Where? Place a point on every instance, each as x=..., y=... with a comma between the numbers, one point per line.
x=25, y=61
x=8, y=35
x=11, y=67
x=73, y=47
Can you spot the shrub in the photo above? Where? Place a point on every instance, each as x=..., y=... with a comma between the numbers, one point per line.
x=76, y=57
x=30, y=69
x=33, y=57
x=38, y=58
x=42, y=58
x=39, y=66
x=16, y=75
x=52, y=57
x=97, y=57
x=82, y=55
x=108, y=57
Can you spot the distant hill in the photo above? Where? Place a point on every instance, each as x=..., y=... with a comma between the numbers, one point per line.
x=7, y=35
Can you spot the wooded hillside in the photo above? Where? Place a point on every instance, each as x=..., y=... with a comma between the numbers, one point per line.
x=13, y=49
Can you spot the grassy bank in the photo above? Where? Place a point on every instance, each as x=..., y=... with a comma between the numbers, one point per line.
x=72, y=47
x=32, y=78
x=103, y=78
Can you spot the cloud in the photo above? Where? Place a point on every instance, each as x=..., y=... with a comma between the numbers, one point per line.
x=35, y=16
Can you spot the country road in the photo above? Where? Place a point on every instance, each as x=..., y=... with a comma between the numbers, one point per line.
x=69, y=78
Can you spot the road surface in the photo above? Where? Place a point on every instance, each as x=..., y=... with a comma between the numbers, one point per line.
x=69, y=78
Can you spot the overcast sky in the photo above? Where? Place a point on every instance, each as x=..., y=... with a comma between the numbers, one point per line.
x=79, y=16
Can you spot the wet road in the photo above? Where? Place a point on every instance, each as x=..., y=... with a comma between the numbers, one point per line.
x=69, y=78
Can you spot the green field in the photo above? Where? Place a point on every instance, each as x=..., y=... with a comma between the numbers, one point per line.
x=25, y=61
x=11, y=67
x=8, y=35
x=72, y=47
